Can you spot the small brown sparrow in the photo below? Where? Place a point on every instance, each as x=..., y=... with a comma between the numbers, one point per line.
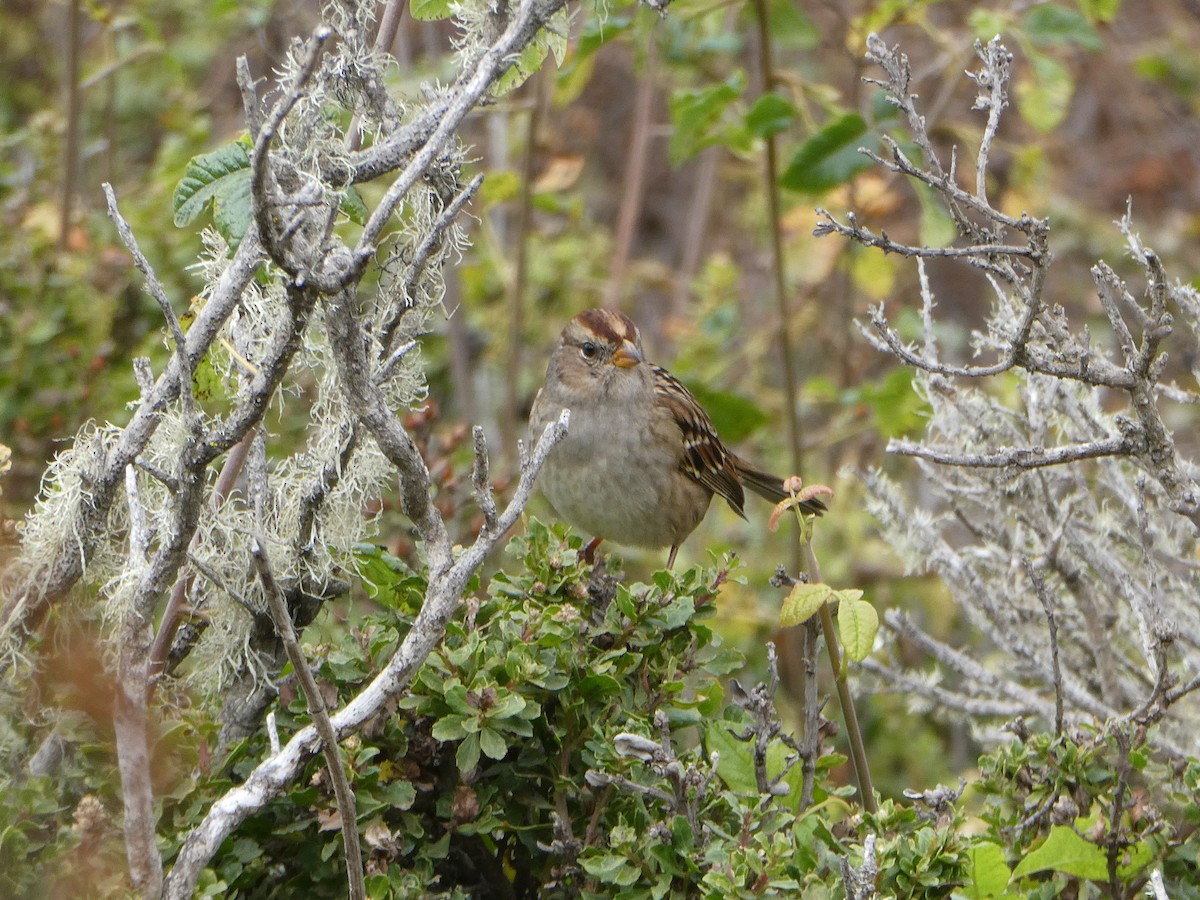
x=641, y=459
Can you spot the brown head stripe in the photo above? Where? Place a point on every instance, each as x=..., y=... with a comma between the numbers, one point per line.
x=609, y=325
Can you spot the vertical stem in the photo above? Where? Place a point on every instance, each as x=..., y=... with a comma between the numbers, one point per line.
x=516, y=311
x=697, y=225
x=791, y=389
x=73, y=106
x=858, y=752
x=282, y=618
x=633, y=185
x=130, y=726
x=778, y=271
x=460, y=350
x=811, y=748
x=111, y=136
x=699, y=209
x=385, y=36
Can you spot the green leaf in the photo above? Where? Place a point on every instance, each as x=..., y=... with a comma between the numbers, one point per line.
x=492, y=744
x=449, y=728
x=894, y=403
x=858, y=623
x=467, y=757
x=828, y=158
x=724, y=661
x=551, y=39
x=1100, y=10
x=677, y=613
x=683, y=836
x=770, y=114
x=506, y=706
x=455, y=694
x=430, y=10
x=803, y=602
x=1141, y=855
x=988, y=869
x=593, y=687
x=710, y=700
x=1065, y=851
x=610, y=868
x=1051, y=25
x=1044, y=92
x=353, y=206
x=696, y=115
x=221, y=177
x=398, y=795
x=681, y=717
x=987, y=23
x=735, y=764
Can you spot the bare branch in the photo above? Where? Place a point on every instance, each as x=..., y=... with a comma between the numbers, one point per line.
x=481, y=482
x=887, y=339
x=525, y=20
x=1039, y=586
x=1018, y=457
x=164, y=304
x=371, y=406
x=250, y=105
x=993, y=97
x=863, y=235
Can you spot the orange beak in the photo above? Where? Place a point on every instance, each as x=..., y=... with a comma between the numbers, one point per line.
x=627, y=356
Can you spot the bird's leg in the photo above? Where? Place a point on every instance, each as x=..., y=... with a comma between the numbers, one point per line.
x=671, y=556
x=588, y=554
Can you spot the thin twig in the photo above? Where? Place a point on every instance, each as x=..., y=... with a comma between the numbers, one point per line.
x=164, y=304
x=250, y=104
x=993, y=97
x=282, y=617
x=858, y=749
x=72, y=113
x=385, y=36
x=131, y=728
x=431, y=243
x=1039, y=586
x=864, y=236
x=810, y=744
x=480, y=480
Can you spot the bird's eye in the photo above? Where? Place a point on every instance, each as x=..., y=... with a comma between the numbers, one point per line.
x=588, y=350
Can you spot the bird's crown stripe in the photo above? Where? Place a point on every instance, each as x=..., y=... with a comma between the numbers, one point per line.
x=609, y=325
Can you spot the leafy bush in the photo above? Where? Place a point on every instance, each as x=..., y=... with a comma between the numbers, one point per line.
x=573, y=737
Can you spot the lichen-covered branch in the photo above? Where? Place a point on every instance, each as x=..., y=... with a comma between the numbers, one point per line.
x=1098, y=501
x=280, y=310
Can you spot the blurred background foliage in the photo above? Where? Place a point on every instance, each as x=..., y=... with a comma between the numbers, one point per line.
x=629, y=173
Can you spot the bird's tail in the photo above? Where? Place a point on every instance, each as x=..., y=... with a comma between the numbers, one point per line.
x=769, y=487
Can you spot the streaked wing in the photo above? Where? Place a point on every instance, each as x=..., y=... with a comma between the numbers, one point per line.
x=705, y=458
